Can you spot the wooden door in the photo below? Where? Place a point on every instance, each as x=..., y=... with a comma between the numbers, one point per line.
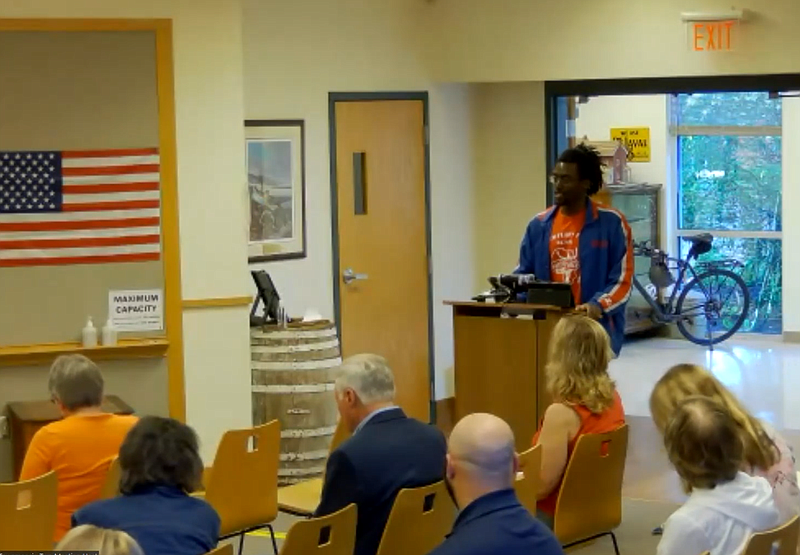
x=383, y=241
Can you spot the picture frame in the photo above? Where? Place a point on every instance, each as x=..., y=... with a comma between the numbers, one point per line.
x=276, y=189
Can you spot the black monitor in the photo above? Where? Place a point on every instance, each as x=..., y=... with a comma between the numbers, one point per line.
x=266, y=294
x=553, y=294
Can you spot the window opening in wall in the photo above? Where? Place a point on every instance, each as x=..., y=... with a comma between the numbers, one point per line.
x=729, y=184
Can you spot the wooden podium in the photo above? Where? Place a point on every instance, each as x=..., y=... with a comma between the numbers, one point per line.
x=500, y=356
x=27, y=417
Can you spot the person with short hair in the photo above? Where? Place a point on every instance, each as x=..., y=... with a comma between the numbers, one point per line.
x=387, y=452
x=585, y=401
x=481, y=469
x=766, y=452
x=583, y=243
x=81, y=446
x=88, y=538
x=160, y=467
x=725, y=505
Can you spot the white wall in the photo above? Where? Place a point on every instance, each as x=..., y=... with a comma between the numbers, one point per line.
x=601, y=113
x=295, y=54
x=791, y=223
x=212, y=192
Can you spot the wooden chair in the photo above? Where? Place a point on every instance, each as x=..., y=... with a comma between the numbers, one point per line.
x=302, y=499
x=28, y=513
x=527, y=486
x=243, y=481
x=786, y=536
x=419, y=521
x=111, y=484
x=334, y=534
x=589, y=502
x=226, y=549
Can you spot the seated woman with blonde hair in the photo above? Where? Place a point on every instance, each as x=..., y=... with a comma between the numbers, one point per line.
x=766, y=453
x=100, y=540
x=585, y=401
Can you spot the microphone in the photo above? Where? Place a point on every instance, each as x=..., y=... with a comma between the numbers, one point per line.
x=516, y=281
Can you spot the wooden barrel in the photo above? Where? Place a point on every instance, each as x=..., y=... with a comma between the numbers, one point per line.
x=293, y=371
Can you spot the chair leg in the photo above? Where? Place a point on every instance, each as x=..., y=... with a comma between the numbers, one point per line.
x=272, y=535
x=241, y=543
x=614, y=539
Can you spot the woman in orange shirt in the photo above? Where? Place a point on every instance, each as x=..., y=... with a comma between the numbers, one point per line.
x=585, y=401
x=81, y=446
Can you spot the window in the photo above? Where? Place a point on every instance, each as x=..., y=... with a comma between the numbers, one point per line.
x=729, y=185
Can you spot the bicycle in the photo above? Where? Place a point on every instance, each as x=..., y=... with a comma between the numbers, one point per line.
x=703, y=291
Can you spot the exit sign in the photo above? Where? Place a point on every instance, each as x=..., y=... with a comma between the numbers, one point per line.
x=713, y=36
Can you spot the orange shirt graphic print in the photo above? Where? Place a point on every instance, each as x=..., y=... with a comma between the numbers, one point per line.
x=564, y=260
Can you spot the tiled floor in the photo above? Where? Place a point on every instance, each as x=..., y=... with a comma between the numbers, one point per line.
x=762, y=371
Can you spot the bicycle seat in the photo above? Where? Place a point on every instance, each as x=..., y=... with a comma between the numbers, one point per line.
x=701, y=244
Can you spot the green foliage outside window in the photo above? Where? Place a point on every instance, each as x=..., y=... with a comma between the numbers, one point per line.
x=733, y=183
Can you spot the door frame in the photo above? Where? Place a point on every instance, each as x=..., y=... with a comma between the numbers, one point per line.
x=333, y=99
x=555, y=109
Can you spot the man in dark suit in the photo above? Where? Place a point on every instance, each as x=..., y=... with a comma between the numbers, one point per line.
x=387, y=452
x=481, y=468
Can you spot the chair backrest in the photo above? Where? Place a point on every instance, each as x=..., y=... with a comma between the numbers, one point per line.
x=786, y=536
x=334, y=534
x=590, y=499
x=28, y=513
x=419, y=521
x=527, y=485
x=111, y=484
x=226, y=549
x=243, y=485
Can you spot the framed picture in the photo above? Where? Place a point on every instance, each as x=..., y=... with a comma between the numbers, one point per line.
x=276, y=189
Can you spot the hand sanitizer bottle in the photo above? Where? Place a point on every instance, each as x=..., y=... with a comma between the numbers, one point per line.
x=89, y=335
x=109, y=334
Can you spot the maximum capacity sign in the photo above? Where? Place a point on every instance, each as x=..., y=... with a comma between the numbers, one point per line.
x=636, y=140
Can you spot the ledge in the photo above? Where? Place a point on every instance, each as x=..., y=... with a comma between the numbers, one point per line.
x=27, y=355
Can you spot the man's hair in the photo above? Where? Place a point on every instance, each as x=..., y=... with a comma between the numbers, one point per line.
x=703, y=443
x=76, y=382
x=104, y=541
x=590, y=166
x=369, y=376
x=160, y=451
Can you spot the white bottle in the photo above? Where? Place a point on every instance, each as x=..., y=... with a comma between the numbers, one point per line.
x=89, y=335
x=109, y=334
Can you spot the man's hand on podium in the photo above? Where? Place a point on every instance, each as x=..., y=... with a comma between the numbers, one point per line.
x=591, y=310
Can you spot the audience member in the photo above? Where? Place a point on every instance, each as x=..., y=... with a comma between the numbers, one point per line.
x=766, y=453
x=725, y=505
x=105, y=542
x=585, y=401
x=481, y=468
x=81, y=446
x=159, y=468
x=387, y=452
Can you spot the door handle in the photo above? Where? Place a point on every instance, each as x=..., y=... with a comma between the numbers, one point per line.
x=349, y=276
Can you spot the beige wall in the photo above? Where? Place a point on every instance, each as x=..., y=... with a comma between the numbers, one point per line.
x=522, y=40
x=510, y=173
x=295, y=53
x=212, y=194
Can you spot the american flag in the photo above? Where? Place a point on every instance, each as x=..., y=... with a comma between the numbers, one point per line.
x=79, y=207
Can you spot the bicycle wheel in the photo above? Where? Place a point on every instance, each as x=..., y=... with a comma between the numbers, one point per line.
x=713, y=306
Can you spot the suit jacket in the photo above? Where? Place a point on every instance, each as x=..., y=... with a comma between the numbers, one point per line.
x=389, y=453
x=497, y=524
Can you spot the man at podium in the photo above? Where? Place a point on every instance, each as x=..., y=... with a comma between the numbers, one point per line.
x=583, y=243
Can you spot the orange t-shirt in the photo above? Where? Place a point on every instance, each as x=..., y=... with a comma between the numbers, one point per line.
x=79, y=449
x=607, y=421
x=565, y=265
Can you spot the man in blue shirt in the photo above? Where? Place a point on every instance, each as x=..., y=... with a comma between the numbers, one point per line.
x=481, y=468
x=387, y=452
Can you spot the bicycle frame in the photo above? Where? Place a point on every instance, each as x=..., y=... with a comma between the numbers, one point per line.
x=664, y=313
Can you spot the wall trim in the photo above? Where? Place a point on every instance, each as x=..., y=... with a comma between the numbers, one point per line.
x=791, y=337
x=217, y=302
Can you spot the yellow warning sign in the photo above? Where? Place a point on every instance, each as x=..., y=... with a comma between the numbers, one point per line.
x=636, y=140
